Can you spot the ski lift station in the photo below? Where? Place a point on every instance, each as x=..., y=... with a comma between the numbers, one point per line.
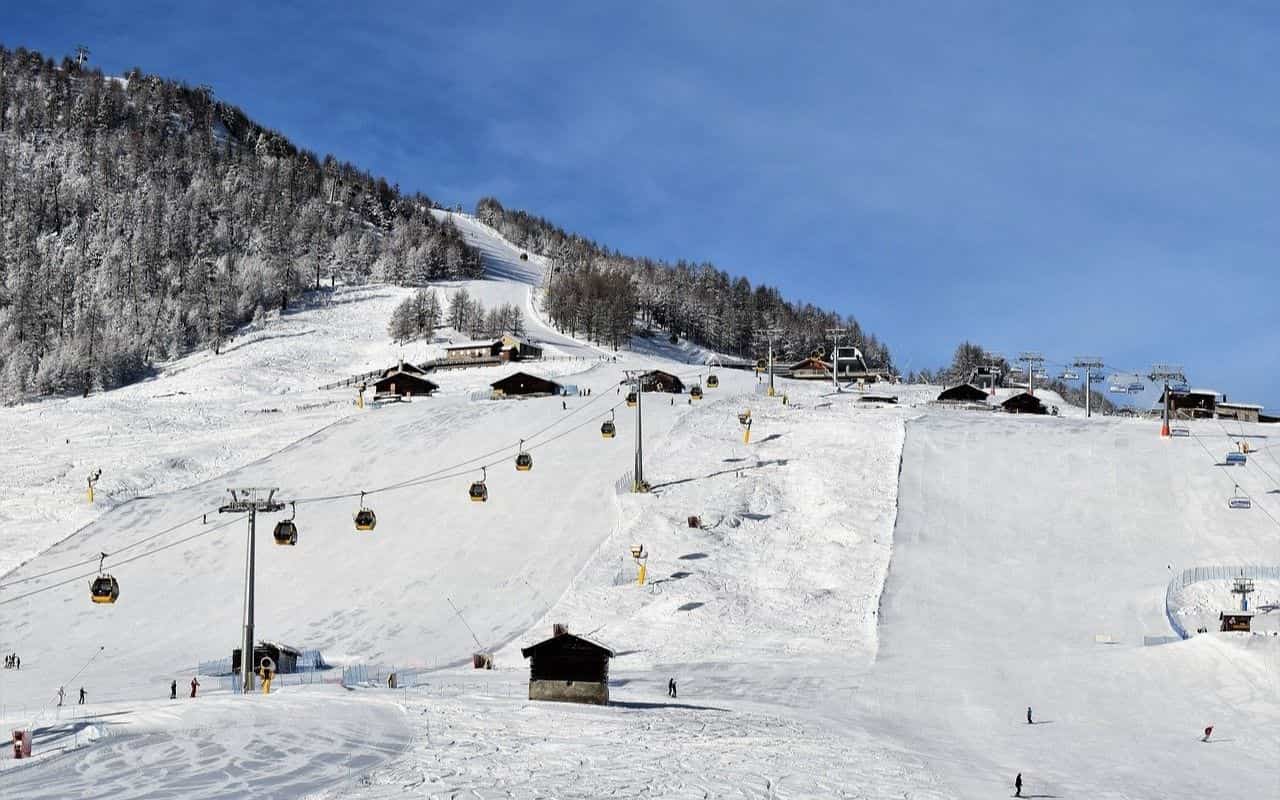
x=568, y=669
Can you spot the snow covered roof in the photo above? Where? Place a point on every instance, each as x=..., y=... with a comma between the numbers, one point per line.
x=1253, y=406
x=469, y=345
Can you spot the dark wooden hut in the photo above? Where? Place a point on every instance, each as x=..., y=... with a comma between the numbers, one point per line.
x=569, y=669
x=658, y=381
x=522, y=383
x=404, y=384
x=1024, y=403
x=964, y=393
x=1235, y=620
x=282, y=655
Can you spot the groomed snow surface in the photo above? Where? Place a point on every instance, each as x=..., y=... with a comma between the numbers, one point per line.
x=874, y=596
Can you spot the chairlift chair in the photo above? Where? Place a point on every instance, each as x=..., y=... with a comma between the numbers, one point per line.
x=365, y=519
x=104, y=588
x=1235, y=458
x=478, y=492
x=631, y=399
x=607, y=429
x=524, y=461
x=1239, y=501
x=1069, y=376
x=1179, y=431
x=1136, y=387
x=286, y=533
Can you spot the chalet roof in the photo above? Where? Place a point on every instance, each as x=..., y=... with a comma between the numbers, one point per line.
x=1251, y=406
x=407, y=378
x=963, y=392
x=1236, y=614
x=566, y=640
x=515, y=380
x=471, y=344
x=811, y=363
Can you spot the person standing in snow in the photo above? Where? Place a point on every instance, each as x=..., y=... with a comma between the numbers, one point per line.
x=1017, y=785
x=195, y=684
x=671, y=688
x=62, y=694
x=1207, y=733
x=173, y=689
x=1029, y=722
x=81, y=696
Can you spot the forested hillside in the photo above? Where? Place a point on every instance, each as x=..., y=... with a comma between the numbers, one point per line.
x=140, y=218
x=598, y=292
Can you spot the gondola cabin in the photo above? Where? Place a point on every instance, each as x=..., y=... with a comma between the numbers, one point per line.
x=713, y=382
x=608, y=430
x=631, y=399
x=104, y=589
x=569, y=669
x=1239, y=503
x=696, y=392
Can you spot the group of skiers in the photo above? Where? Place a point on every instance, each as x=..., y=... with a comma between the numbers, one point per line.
x=1017, y=781
x=62, y=694
x=173, y=688
x=12, y=661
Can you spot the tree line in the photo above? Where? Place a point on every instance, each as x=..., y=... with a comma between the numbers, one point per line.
x=419, y=315
x=141, y=218
x=601, y=294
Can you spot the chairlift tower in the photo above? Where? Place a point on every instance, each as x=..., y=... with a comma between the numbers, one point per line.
x=1088, y=364
x=249, y=501
x=638, y=484
x=835, y=334
x=1032, y=359
x=1244, y=588
x=769, y=334
x=1163, y=374
x=82, y=55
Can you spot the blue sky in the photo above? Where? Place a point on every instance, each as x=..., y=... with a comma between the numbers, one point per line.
x=1072, y=177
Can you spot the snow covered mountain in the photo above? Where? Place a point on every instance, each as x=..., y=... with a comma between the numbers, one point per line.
x=872, y=596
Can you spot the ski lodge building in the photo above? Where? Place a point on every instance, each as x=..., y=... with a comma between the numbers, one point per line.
x=498, y=351
x=403, y=384
x=964, y=393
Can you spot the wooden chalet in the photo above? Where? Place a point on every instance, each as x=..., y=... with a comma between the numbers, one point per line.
x=811, y=369
x=403, y=384
x=1024, y=403
x=658, y=381
x=470, y=353
x=964, y=393
x=569, y=669
x=524, y=384
x=513, y=348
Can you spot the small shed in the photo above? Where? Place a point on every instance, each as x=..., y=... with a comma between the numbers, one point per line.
x=404, y=384
x=282, y=655
x=890, y=399
x=568, y=669
x=1024, y=403
x=658, y=381
x=522, y=383
x=1235, y=620
x=964, y=393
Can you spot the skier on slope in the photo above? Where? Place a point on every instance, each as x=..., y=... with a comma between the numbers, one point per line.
x=1207, y=733
x=1017, y=785
x=1029, y=722
x=173, y=689
x=195, y=684
x=62, y=694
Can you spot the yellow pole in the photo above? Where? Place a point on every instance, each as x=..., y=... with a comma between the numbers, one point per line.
x=91, y=494
x=746, y=435
x=644, y=570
